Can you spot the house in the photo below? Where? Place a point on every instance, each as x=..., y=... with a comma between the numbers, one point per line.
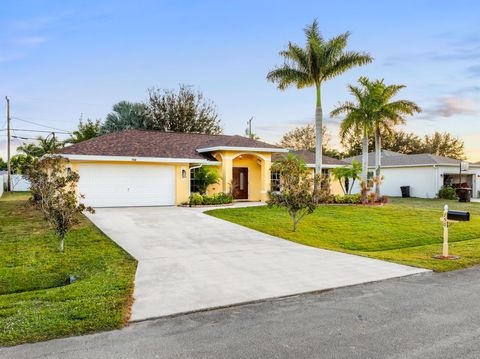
x=153, y=168
x=424, y=173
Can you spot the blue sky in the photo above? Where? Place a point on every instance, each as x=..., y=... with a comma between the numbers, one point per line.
x=61, y=59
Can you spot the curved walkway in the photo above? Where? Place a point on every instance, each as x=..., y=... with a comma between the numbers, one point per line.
x=189, y=261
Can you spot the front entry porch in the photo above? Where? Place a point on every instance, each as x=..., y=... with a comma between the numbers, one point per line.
x=246, y=175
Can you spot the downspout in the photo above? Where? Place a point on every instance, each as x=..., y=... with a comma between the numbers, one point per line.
x=436, y=180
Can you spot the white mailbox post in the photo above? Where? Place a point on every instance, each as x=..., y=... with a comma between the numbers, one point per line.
x=447, y=218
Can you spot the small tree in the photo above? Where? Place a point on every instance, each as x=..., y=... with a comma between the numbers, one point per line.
x=204, y=177
x=85, y=131
x=296, y=189
x=344, y=174
x=53, y=190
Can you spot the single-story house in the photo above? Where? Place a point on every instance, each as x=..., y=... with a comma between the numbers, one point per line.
x=424, y=173
x=153, y=168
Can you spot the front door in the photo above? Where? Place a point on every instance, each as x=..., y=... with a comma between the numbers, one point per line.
x=240, y=183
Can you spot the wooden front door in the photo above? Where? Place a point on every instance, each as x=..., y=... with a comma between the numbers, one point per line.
x=240, y=183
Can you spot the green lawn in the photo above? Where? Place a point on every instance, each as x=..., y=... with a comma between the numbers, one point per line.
x=406, y=231
x=35, y=302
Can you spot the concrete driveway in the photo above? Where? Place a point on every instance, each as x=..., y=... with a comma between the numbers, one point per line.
x=189, y=261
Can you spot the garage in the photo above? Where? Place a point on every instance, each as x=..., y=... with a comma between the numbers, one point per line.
x=122, y=185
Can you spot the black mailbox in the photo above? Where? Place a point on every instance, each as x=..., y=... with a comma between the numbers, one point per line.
x=458, y=216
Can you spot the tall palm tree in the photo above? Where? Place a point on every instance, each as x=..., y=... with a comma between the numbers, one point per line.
x=319, y=61
x=374, y=112
x=388, y=115
x=359, y=117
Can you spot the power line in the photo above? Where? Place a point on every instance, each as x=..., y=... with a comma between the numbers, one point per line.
x=43, y=131
x=39, y=124
x=23, y=138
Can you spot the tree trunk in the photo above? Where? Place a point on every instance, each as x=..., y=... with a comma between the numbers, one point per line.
x=365, y=155
x=62, y=240
x=378, y=161
x=318, y=133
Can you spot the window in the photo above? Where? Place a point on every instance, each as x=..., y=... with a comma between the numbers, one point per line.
x=275, y=181
x=370, y=175
x=241, y=181
x=193, y=185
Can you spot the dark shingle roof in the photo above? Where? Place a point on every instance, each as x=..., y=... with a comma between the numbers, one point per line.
x=144, y=143
x=390, y=158
x=309, y=158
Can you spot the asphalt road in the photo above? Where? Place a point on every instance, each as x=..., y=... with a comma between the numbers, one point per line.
x=423, y=316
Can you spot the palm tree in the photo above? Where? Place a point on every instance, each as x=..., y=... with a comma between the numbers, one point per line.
x=358, y=119
x=45, y=145
x=373, y=112
x=125, y=115
x=388, y=115
x=319, y=61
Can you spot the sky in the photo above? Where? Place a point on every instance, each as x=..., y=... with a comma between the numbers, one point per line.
x=60, y=60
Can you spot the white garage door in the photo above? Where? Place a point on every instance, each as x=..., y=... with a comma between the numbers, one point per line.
x=126, y=185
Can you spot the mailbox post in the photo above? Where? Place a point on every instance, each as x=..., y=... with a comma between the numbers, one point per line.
x=449, y=217
x=445, y=232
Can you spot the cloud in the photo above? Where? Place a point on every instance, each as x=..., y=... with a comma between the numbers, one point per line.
x=452, y=106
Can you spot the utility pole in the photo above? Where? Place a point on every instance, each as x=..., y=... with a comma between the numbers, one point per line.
x=249, y=126
x=9, y=169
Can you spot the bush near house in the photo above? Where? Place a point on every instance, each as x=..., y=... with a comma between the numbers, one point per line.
x=348, y=199
x=197, y=199
x=447, y=192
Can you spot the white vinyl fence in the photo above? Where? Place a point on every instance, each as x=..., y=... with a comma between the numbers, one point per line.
x=19, y=184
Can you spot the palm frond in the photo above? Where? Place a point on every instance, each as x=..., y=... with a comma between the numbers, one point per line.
x=297, y=56
x=286, y=76
x=345, y=62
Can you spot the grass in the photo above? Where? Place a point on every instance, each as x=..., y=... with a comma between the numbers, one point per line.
x=406, y=231
x=35, y=301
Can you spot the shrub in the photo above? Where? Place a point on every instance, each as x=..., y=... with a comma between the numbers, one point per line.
x=204, y=177
x=348, y=199
x=447, y=192
x=197, y=199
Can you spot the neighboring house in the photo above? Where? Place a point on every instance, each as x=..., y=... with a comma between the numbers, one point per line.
x=152, y=168
x=424, y=173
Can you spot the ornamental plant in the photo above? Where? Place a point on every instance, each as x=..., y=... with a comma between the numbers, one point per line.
x=297, y=189
x=53, y=192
